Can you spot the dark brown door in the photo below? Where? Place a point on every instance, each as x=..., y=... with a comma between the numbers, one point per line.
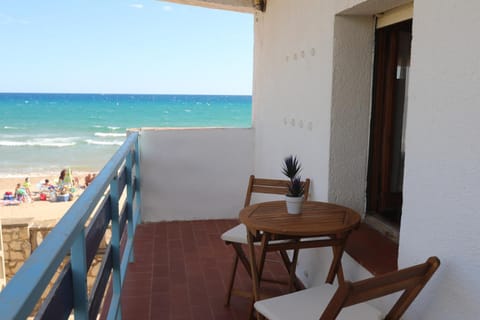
x=386, y=162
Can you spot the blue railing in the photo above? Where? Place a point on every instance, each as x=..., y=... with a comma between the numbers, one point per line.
x=79, y=234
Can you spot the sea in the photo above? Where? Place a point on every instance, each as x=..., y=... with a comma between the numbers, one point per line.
x=40, y=134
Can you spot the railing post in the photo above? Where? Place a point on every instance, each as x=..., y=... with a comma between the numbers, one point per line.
x=138, y=193
x=130, y=195
x=79, y=276
x=116, y=313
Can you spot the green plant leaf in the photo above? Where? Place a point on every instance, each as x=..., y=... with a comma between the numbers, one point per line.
x=291, y=167
x=296, y=187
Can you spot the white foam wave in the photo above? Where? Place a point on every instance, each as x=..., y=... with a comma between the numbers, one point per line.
x=106, y=134
x=113, y=128
x=11, y=128
x=105, y=143
x=55, y=142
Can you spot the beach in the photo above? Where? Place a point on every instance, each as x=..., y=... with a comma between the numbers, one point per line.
x=35, y=210
x=83, y=131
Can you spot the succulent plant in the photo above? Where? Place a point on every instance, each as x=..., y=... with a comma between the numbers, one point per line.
x=291, y=168
x=295, y=187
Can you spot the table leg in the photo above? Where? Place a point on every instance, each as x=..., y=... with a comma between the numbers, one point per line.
x=288, y=265
x=293, y=269
x=337, y=257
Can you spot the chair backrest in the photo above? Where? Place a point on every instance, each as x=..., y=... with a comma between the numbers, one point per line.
x=410, y=280
x=271, y=186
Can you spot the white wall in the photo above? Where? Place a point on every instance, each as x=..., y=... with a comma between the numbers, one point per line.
x=366, y=8
x=351, y=108
x=190, y=174
x=292, y=88
x=441, y=214
x=442, y=168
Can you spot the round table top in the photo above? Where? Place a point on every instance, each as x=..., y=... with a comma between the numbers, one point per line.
x=315, y=219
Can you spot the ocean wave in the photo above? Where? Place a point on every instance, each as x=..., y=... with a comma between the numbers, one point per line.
x=11, y=128
x=105, y=143
x=107, y=134
x=113, y=128
x=37, y=143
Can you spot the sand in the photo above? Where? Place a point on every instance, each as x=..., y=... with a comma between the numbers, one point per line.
x=36, y=210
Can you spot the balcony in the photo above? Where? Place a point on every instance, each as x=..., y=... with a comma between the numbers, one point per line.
x=186, y=186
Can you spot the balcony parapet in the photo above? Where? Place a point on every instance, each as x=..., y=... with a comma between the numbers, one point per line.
x=194, y=173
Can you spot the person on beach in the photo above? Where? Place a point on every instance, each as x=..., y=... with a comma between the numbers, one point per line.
x=26, y=186
x=61, y=178
x=46, y=185
x=21, y=194
x=67, y=183
x=66, y=176
x=89, y=178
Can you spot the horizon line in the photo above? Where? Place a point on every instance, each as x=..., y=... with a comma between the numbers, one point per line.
x=127, y=93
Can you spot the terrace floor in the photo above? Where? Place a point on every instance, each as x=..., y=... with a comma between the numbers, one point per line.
x=181, y=271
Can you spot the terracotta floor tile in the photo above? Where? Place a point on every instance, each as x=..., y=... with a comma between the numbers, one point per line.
x=182, y=268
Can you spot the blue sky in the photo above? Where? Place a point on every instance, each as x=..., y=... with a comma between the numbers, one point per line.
x=120, y=46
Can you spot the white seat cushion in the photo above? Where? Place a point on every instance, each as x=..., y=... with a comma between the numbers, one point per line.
x=237, y=234
x=309, y=304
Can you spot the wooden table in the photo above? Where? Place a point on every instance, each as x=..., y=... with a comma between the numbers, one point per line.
x=319, y=224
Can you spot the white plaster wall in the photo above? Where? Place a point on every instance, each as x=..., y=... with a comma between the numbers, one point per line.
x=292, y=88
x=442, y=170
x=366, y=7
x=441, y=214
x=296, y=61
x=190, y=174
x=351, y=108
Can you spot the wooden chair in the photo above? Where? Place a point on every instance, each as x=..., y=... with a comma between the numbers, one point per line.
x=237, y=236
x=347, y=301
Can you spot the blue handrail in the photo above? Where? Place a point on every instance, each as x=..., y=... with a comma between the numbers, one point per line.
x=70, y=235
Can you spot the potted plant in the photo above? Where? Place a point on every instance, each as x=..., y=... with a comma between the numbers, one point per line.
x=294, y=199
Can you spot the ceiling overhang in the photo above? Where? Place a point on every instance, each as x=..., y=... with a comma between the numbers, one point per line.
x=232, y=5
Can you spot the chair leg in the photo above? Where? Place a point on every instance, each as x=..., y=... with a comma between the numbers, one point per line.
x=231, y=281
x=243, y=258
x=239, y=256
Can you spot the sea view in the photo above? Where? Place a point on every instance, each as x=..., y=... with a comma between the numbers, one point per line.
x=42, y=133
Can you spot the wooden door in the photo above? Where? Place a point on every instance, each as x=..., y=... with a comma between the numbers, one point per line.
x=385, y=176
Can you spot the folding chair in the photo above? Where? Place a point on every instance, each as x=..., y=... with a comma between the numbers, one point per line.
x=237, y=236
x=347, y=302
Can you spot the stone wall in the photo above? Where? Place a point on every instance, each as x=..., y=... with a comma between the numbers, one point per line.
x=16, y=245
x=22, y=236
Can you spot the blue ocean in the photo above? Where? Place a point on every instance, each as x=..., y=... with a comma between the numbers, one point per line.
x=43, y=133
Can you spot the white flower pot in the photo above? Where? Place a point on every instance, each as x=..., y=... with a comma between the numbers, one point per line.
x=294, y=204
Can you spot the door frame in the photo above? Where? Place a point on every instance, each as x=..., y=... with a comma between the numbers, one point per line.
x=380, y=198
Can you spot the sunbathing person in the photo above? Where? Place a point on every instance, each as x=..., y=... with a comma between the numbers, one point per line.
x=89, y=178
x=46, y=186
x=21, y=194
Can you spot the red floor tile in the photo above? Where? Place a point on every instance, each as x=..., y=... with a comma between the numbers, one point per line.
x=181, y=271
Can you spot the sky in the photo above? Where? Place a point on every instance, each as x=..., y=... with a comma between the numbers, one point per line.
x=122, y=46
